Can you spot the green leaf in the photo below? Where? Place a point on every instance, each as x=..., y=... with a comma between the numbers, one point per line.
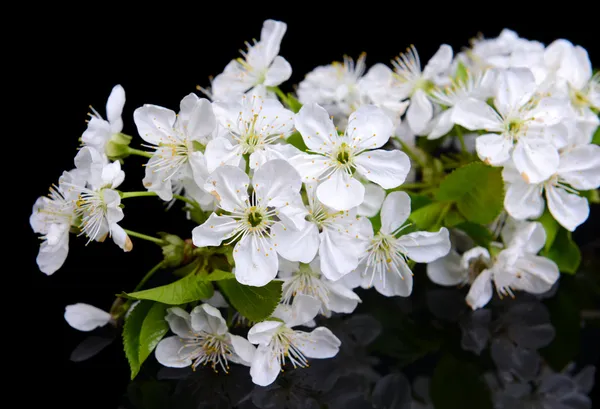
x=564, y=252
x=596, y=137
x=192, y=287
x=462, y=74
x=254, y=303
x=418, y=201
x=481, y=235
x=218, y=275
x=293, y=104
x=453, y=217
x=296, y=140
x=144, y=328
x=457, y=384
x=430, y=216
x=551, y=227
x=477, y=190
x=593, y=196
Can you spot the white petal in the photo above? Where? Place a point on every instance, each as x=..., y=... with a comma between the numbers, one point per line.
x=213, y=231
x=374, y=196
x=121, y=239
x=580, y=167
x=207, y=318
x=229, y=185
x=51, y=257
x=256, y=261
x=216, y=300
x=220, y=151
x=85, y=317
x=420, y=112
x=538, y=274
x=369, y=128
x=514, y=88
x=439, y=63
x=114, y=107
x=475, y=115
x=535, y=159
x=280, y=71
x=310, y=167
x=275, y=181
x=262, y=332
x=570, y=210
x=525, y=236
x=154, y=123
x=316, y=128
x=442, y=124
x=179, y=321
x=197, y=117
x=425, y=247
x=157, y=181
x=481, y=290
x=393, y=283
x=296, y=244
x=271, y=152
x=341, y=298
x=341, y=191
x=447, y=270
x=243, y=349
x=339, y=253
x=303, y=309
x=168, y=353
x=265, y=367
x=395, y=211
x=270, y=38
x=386, y=168
x=320, y=343
x=524, y=201
x=494, y=149
x=97, y=133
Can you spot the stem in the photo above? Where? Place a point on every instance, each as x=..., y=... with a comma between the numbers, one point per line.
x=127, y=195
x=148, y=275
x=158, y=241
x=191, y=202
x=461, y=138
x=412, y=154
x=133, y=151
x=281, y=95
x=410, y=186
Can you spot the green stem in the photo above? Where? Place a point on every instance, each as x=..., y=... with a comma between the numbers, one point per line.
x=461, y=138
x=127, y=195
x=158, y=241
x=133, y=151
x=411, y=186
x=412, y=154
x=147, y=277
x=191, y=202
x=281, y=95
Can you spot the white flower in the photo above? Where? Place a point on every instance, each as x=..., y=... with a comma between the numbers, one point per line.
x=53, y=216
x=261, y=64
x=307, y=279
x=177, y=162
x=251, y=127
x=274, y=200
x=85, y=317
x=277, y=340
x=384, y=264
x=98, y=204
x=374, y=197
x=338, y=236
x=335, y=157
x=521, y=120
x=579, y=169
x=499, y=51
x=100, y=131
x=478, y=86
x=201, y=338
x=416, y=83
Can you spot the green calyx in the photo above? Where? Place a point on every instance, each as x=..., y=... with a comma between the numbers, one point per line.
x=118, y=146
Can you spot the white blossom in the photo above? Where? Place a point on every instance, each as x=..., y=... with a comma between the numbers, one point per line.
x=85, y=317
x=99, y=131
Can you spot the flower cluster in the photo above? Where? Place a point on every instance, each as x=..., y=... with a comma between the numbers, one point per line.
x=298, y=201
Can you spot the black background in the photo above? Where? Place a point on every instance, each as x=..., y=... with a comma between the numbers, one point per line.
x=72, y=58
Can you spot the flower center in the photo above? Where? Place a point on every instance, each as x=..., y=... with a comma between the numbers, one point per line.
x=343, y=155
x=171, y=154
x=386, y=254
x=579, y=99
x=307, y=282
x=255, y=217
x=90, y=206
x=513, y=127
x=282, y=347
x=210, y=349
x=476, y=266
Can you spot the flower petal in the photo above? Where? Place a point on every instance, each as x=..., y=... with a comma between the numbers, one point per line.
x=481, y=290
x=439, y=63
x=114, y=108
x=386, y=168
x=341, y=191
x=303, y=309
x=229, y=185
x=296, y=244
x=179, y=321
x=524, y=201
x=420, y=112
x=494, y=149
x=213, y=231
x=265, y=367
x=280, y=71
x=243, y=350
x=262, y=332
x=341, y=298
x=514, y=87
x=275, y=181
x=256, y=261
x=442, y=124
x=394, y=212
x=170, y=352
x=207, y=318
x=580, y=167
x=339, y=254
x=425, y=247
x=310, y=167
x=316, y=128
x=374, y=197
x=476, y=115
x=570, y=210
x=221, y=151
x=121, y=239
x=154, y=123
x=320, y=343
x=51, y=257
x=536, y=159
x=447, y=270
x=270, y=38
x=538, y=274
x=85, y=317
x=392, y=282
x=369, y=128
x=197, y=117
